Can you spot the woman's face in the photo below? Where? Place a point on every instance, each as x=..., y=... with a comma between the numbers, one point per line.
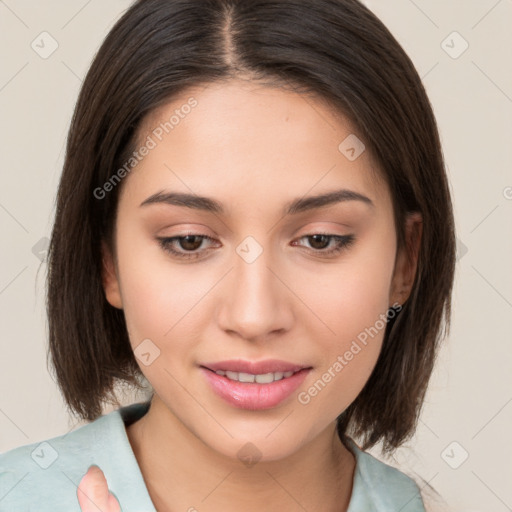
x=257, y=286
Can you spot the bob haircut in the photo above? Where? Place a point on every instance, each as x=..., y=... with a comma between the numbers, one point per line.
x=337, y=50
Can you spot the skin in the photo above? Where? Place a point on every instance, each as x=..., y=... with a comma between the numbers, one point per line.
x=253, y=148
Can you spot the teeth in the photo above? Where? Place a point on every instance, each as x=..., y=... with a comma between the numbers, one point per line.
x=264, y=378
x=246, y=377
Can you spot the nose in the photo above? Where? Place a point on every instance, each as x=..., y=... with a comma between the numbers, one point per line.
x=255, y=302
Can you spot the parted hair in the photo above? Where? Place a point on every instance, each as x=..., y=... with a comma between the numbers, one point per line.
x=337, y=50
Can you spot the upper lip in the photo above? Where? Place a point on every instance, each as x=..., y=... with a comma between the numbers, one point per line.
x=255, y=367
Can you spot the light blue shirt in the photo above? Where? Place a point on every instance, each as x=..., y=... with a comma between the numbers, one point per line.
x=43, y=477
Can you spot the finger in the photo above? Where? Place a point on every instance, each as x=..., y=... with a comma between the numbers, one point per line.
x=93, y=494
x=113, y=504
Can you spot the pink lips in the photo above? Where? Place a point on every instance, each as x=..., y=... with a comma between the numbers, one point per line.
x=254, y=396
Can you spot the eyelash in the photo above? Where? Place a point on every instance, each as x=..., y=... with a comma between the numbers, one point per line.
x=343, y=242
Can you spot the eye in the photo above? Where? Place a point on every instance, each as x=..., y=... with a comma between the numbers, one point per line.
x=187, y=245
x=320, y=243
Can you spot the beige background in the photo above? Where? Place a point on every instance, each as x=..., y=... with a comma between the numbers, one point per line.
x=468, y=411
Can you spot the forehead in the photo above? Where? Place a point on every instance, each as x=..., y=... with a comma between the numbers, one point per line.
x=248, y=136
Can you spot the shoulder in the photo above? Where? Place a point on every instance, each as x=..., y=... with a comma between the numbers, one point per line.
x=45, y=475
x=380, y=487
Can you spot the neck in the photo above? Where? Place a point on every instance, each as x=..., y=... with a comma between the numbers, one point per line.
x=183, y=473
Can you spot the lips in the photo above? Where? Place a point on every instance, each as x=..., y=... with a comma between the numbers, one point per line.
x=254, y=385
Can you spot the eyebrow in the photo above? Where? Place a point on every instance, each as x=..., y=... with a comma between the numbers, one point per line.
x=293, y=207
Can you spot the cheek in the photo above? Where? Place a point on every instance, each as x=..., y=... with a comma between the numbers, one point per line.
x=158, y=306
x=352, y=304
x=149, y=294
x=346, y=356
x=336, y=385
x=351, y=296
x=161, y=301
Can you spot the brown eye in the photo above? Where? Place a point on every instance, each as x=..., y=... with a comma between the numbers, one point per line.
x=320, y=243
x=190, y=242
x=185, y=246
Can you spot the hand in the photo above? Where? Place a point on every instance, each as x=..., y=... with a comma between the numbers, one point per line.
x=93, y=494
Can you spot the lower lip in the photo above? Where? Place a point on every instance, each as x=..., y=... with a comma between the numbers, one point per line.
x=248, y=395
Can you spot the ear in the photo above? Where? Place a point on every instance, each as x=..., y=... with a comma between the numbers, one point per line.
x=110, y=279
x=406, y=261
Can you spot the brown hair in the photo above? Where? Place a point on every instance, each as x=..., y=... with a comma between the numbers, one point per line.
x=336, y=49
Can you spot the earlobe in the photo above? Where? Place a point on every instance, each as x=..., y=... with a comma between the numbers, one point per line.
x=110, y=280
x=406, y=263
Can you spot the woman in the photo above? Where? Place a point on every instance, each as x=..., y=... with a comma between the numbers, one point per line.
x=253, y=217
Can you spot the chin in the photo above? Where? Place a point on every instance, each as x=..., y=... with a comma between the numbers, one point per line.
x=258, y=444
